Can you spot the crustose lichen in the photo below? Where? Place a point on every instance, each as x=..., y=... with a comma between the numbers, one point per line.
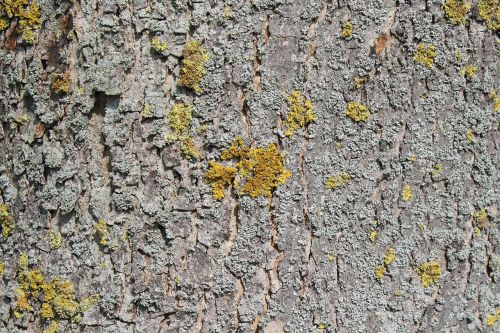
x=456, y=10
x=357, y=111
x=6, y=221
x=255, y=171
x=425, y=54
x=301, y=113
x=55, y=299
x=193, y=69
x=179, y=119
x=28, y=16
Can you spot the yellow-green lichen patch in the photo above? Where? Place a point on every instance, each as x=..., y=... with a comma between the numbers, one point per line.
x=2, y=268
x=228, y=12
x=147, y=111
x=158, y=45
x=437, y=169
x=481, y=217
x=55, y=239
x=6, y=221
x=380, y=272
x=346, y=30
x=55, y=298
x=359, y=82
x=189, y=150
x=491, y=319
x=22, y=119
x=489, y=10
x=219, y=177
x=469, y=71
x=340, y=180
x=102, y=231
x=180, y=117
x=373, y=235
x=390, y=256
x=407, y=193
x=254, y=171
x=27, y=14
x=53, y=327
x=301, y=113
x=357, y=111
x=425, y=54
x=193, y=69
x=456, y=10
x=470, y=135
x=429, y=273
x=61, y=83
x=496, y=100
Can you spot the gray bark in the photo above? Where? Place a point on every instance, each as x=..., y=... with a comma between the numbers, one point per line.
x=301, y=261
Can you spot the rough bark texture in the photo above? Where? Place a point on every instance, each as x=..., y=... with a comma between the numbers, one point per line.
x=301, y=261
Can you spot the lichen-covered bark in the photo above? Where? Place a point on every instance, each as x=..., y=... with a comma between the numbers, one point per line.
x=139, y=224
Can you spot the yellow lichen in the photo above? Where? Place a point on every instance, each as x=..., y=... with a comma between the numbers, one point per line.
x=359, y=82
x=53, y=327
x=489, y=10
x=189, y=149
x=346, y=30
x=357, y=111
x=158, y=45
x=46, y=311
x=469, y=71
x=429, y=273
x=4, y=24
x=102, y=230
x=2, y=268
x=61, y=83
x=256, y=171
x=470, y=135
x=496, y=100
x=220, y=176
x=373, y=235
x=301, y=113
x=56, y=298
x=88, y=302
x=27, y=14
x=228, y=11
x=425, y=54
x=23, y=261
x=481, y=217
x=390, y=256
x=193, y=66
x=491, y=319
x=333, y=182
x=380, y=272
x=437, y=169
x=22, y=119
x=407, y=193
x=330, y=258
x=55, y=239
x=456, y=10
x=6, y=221
x=146, y=111
x=180, y=117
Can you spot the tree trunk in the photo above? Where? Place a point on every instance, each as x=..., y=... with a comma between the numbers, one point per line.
x=388, y=222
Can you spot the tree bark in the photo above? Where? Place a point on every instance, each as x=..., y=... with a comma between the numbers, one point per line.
x=171, y=258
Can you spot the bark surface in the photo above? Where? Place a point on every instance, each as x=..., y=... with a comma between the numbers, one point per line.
x=423, y=168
